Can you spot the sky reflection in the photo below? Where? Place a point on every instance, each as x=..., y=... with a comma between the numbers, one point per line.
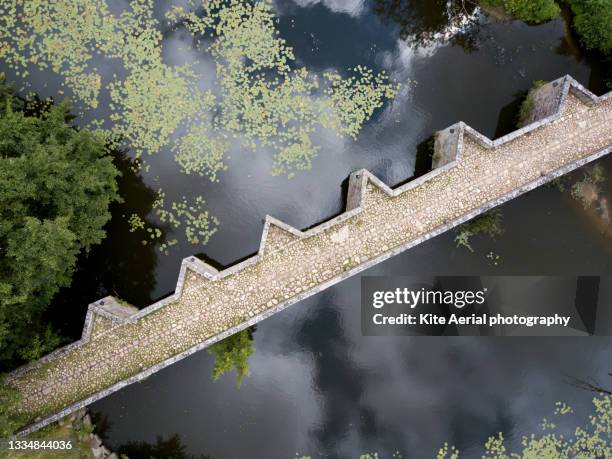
x=317, y=386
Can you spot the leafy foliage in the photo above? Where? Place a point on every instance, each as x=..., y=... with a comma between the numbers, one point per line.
x=593, y=440
x=489, y=224
x=56, y=184
x=233, y=353
x=592, y=18
x=593, y=22
x=9, y=400
x=534, y=11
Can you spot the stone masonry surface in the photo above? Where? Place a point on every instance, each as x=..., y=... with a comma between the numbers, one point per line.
x=121, y=347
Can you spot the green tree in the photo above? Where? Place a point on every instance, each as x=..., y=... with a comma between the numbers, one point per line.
x=534, y=11
x=56, y=184
x=593, y=22
x=233, y=353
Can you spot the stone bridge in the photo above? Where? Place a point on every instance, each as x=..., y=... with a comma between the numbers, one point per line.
x=471, y=174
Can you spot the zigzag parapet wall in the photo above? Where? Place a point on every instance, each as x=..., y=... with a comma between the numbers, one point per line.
x=120, y=346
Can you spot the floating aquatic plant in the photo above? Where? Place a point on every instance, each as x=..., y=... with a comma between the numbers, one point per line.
x=199, y=225
x=261, y=98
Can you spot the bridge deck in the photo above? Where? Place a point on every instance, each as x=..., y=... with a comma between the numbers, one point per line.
x=380, y=222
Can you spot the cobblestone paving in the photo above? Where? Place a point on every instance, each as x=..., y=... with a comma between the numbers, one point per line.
x=293, y=266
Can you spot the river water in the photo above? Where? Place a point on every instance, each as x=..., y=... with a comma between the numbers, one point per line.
x=317, y=386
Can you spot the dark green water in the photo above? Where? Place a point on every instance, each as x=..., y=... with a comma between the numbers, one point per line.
x=317, y=386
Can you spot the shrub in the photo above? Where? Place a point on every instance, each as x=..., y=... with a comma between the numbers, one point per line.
x=593, y=22
x=534, y=11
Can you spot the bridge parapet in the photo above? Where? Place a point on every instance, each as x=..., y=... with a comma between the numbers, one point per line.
x=472, y=174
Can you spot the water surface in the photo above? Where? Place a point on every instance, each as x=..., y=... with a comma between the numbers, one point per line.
x=317, y=386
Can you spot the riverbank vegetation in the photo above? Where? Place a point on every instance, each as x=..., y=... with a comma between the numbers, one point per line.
x=56, y=185
x=70, y=430
x=593, y=22
x=534, y=11
x=592, y=19
x=421, y=24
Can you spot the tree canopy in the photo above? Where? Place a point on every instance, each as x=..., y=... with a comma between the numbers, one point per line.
x=56, y=184
x=233, y=353
x=593, y=22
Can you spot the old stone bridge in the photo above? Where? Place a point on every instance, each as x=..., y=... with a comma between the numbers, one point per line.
x=471, y=174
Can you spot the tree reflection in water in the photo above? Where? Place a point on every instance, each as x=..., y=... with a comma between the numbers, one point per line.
x=122, y=265
x=424, y=22
x=172, y=448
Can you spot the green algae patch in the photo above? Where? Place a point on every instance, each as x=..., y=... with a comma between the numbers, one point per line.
x=265, y=99
x=261, y=98
x=199, y=226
